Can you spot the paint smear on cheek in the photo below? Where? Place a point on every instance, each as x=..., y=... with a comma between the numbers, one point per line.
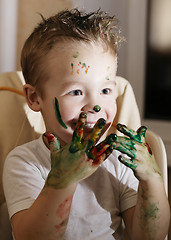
x=57, y=113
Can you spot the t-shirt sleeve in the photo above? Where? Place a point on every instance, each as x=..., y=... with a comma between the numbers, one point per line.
x=22, y=180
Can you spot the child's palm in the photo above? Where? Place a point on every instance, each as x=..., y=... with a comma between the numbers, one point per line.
x=80, y=158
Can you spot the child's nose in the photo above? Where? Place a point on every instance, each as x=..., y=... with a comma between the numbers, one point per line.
x=92, y=108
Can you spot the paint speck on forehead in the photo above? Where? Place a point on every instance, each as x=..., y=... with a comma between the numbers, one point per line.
x=108, y=73
x=76, y=54
x=80, y=66
x=83, y=65
x=72, y=66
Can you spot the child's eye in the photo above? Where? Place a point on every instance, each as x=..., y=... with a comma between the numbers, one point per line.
x=105, y=91
x=75, y=92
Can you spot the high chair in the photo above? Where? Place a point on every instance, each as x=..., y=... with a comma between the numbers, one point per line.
x=19, y=124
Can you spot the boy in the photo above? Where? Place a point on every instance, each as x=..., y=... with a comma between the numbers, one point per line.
x=69, y=63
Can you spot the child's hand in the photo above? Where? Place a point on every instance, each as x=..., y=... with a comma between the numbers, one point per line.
x=141, y=160
x=80, y=158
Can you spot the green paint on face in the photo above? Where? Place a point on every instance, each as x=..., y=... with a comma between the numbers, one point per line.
x=76, y=54
x=107, y=78
x=57, y=113
x=72, y=66
x=97, y=108
x=84, y=66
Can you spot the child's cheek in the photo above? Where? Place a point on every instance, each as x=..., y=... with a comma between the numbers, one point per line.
x=112, y=112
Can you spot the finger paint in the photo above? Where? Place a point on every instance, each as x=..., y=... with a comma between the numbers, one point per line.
x=63, y=210
x=138, y=135
x=102, y=147
x=148, y=148
x=149, y=212
x=57, y=113
x=128, y=162
x=83, y=65
x=124, y=149
x=97, y=108
x=78, y=133
x=71, y=165
x=76, y=54
x=72, y=66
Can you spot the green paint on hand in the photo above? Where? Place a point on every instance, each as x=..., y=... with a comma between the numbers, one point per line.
x=57, y=113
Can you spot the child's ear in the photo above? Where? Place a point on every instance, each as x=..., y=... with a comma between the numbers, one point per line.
x=31, y=97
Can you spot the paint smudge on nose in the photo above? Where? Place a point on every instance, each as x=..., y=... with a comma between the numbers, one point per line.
x=97, y=108
x=57, y=113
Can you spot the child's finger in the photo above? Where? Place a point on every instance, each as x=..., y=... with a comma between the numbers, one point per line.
x=128, y=132
x=98, y=150
x=125, y=149
x=138, y=135
x=128, y=162
x=142, y=131
x=78, y=133
x=103, y=156
x=54, y=143
x=95, y=134
x=126, y=141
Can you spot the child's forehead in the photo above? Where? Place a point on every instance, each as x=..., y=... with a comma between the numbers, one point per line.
x=76, y=49
x=81, y=60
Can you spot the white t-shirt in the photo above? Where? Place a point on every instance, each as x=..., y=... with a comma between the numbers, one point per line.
x=98, y=201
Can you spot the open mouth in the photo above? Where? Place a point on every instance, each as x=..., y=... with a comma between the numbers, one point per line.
x=89, y=125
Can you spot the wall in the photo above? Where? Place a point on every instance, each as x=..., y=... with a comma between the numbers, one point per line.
x=8, y=32
x=135, y=67
x=28, y=17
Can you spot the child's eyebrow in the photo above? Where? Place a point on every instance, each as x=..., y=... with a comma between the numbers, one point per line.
x=69, y=84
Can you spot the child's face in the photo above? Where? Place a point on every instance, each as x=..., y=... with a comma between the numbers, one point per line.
x=80, y=77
